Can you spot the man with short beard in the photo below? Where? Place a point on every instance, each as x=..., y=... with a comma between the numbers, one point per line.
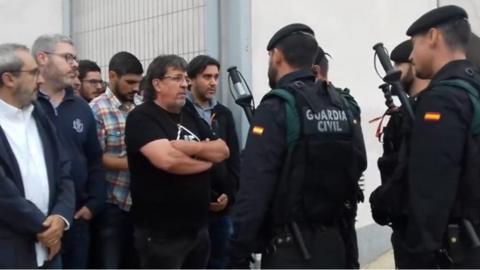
x=36, y=190
x=91, y=83
x=204, y=72
x=73, y=118
x=113, y=231
x=303, y=156
x=392, y=133
x=410, y=82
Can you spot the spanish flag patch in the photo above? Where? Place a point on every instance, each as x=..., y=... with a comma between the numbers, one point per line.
x=432, y=116
x=257, y=130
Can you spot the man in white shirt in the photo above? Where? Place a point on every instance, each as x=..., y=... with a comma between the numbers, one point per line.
x=36, y=192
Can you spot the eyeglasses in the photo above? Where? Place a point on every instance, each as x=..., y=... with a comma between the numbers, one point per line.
x=69, y=58
x=32, y=72
x=96, y=82
x=178, y=78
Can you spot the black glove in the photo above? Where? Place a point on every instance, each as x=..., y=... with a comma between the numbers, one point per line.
x=380, y=213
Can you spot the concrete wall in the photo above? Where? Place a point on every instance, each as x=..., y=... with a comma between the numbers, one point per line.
x=22, y=21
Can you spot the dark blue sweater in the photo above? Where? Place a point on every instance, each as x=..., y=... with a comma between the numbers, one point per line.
x=76, y=124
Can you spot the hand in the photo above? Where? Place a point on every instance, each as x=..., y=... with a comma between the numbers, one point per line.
x=54, y=228
x=54, y=250
x=83, y=213
x=220, y=204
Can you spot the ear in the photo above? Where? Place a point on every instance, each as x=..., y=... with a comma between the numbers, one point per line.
x=41, y=58
x=277, y=56
x=316, y=69
x=433, y=37
x=157, y=85
x=112, y=76
x=8, y=80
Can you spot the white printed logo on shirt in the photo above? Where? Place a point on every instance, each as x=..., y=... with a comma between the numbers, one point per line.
x=78, y=125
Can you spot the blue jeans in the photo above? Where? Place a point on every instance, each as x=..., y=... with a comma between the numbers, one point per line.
x=75, y=245
x=220, y=229
x=112, y=240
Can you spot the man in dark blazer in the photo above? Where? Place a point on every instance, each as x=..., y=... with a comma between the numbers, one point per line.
x=36, y=192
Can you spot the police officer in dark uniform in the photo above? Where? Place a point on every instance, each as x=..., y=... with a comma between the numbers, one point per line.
x=439, y=161
x=393, y=136
x=292, y=191
x=394, y=131
x=347, y=225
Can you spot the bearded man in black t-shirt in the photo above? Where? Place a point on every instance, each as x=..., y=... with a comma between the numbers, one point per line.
x=170, y=152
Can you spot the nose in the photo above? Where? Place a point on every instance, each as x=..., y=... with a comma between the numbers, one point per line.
x=136, y=88
x=74, y=65
x=214, y=82
x=40, y=79
x=184, y=83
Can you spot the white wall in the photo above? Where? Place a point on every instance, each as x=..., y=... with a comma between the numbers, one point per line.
x=22, y=21
x=347, y=30
x=473, y=9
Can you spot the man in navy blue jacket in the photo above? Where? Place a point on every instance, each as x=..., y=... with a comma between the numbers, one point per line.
x=56, y=58
x=36, y=191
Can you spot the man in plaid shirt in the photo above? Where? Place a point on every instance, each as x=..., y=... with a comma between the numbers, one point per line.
x=112, y=242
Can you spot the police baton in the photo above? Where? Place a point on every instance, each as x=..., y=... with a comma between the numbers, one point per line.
x=472, y=234
x=297, y=234
x=241, y=92
x=392, y=77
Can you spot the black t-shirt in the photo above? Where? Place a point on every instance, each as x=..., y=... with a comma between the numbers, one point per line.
x=163, y=201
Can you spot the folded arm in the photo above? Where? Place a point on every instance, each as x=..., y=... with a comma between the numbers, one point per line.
x=163, y=156
x=212, y=151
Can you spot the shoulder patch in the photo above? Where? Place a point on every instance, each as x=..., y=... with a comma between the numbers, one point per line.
x=257, y=130
x=432, y=116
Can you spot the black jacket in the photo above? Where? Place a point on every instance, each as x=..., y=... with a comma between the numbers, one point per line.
x=76, y=125
x=262, y=163
x=435, y=161
x=224, y=175
x=20, y=219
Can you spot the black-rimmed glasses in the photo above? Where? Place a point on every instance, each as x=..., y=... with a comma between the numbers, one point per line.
x=103, y=84
x=69, y=58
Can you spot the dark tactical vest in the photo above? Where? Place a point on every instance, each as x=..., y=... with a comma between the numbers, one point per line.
x=322, y=165
x=467, y=203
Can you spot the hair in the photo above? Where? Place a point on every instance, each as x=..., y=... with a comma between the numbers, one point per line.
x=321, y=60
x=9, y=60
x=456, y=34
x=85, y=66
x=47, y=43
x=299, y=49
x=157, y=69
x=124, y=63
x=198, y=64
